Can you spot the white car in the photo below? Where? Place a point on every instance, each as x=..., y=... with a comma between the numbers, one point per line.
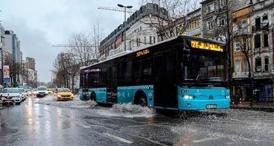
x=12, y=95
x=24, y=93
x=42, y=91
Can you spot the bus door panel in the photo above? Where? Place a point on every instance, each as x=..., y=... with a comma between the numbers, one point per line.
x=111, y=84
x=164, y=81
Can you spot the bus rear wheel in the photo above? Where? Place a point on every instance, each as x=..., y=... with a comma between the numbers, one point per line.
x=93, y=96
x=140, y=99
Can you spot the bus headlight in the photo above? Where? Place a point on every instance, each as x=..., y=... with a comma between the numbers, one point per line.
x=187, y=97
x=227, y=97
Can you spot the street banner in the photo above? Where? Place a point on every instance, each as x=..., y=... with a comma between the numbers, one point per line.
x=6, y=74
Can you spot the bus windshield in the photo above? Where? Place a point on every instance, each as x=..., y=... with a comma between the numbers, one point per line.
x=204, y=67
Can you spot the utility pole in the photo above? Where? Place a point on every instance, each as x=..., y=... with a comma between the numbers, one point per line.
x=228, y=46
x=125, y=20
x=1, y=53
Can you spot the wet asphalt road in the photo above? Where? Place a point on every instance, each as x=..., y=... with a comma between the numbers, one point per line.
x=47, y=122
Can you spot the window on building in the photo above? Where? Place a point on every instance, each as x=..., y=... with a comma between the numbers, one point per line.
x=150, y=39
x=222, y=22
x=154, y=39
x=145, y=40
x=138, y=42
x=266, y=64
x=210, y=7
x=265, y=17
x=258, y=64
x=237, y=66
x=210, y=25
x=222, y=3
x=257, y=41
x=245, y=66
x=258, y=23
x=237, y=46
x=244, y=26
x=265, y=40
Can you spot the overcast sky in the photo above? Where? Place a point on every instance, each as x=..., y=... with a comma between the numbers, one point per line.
x=41, y=23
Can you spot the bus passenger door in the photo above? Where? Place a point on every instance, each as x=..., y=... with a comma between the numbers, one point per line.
x=112, y=84
x=165, y=89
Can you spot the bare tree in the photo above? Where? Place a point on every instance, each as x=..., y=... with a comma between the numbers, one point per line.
x=176, y=20
x=84, y=48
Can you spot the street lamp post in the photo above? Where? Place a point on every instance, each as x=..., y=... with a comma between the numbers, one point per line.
x=1, y=65
x=125, y=19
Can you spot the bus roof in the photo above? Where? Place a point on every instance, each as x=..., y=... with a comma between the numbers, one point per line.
x=148, y=46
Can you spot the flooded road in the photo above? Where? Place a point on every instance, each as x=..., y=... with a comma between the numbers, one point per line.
x=48, y=122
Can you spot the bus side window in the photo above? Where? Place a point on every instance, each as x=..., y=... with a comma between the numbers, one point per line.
x=146, y=70
x=104, y=76
x=137, y=71
x=127, y=71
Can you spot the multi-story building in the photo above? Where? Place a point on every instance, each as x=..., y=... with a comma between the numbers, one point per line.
x=11, y=47
x=216, y=16
x=2, y=31
x=30, y=63
x=214, y=19
x=138, y=30
x=193, y=23
x=190, y=25
x=30, y=74
x=11, y=44
x=242, y=50
x=262, y=45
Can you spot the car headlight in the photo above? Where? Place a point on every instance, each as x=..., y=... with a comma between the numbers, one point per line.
x=187, y=97
x=227, y=97
x=59, y=95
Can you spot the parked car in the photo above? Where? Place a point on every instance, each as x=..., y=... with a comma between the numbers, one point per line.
x=42, y=91
x=12, y=95
x=64, y=94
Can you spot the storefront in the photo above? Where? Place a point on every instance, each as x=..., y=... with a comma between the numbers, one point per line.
x=242, y=91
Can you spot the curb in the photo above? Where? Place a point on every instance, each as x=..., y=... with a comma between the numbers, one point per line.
x=266, y=109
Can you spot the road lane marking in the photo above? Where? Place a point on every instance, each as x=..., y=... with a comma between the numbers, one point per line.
x=118, y=138
x=205, y=139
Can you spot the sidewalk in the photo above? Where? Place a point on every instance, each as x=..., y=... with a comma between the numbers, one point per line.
x=269, y=107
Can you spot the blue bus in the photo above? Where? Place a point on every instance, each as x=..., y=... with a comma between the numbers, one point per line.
x=184, y=73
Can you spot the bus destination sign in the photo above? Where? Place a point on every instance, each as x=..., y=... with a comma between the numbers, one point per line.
x=206, y=46
x=142, y=52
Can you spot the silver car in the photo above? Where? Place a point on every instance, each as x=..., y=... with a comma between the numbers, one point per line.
x=11, y=95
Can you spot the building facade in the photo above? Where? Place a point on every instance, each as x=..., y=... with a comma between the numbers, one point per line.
x=242, y=52
x=214, y=19
x=30, y=74
x=30, y=63
x=190, y=25
x=137, y=31
x=11, y=44
x=262, y=45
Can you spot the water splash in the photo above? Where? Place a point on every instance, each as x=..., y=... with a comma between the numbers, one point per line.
x=127, y=110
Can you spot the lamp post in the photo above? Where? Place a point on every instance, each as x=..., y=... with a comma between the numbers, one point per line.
x=125, y=19
x=1, y=60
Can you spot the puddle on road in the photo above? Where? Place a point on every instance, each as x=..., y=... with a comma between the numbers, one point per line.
x=76, y=103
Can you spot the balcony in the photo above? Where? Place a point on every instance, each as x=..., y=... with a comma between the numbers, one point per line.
x=240, y=75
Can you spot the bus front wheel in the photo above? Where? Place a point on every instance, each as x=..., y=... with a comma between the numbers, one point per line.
x=140, y=99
